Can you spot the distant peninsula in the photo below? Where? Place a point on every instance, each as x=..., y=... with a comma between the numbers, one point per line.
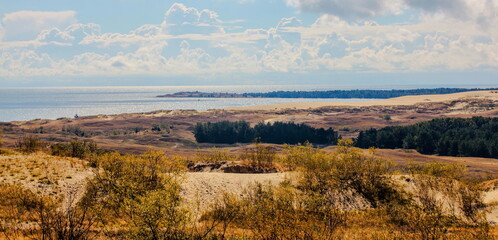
x=367, y=94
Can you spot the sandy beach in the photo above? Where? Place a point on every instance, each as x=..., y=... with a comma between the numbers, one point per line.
x=399, y=101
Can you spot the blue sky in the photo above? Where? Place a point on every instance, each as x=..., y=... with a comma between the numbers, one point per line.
x=230, y=42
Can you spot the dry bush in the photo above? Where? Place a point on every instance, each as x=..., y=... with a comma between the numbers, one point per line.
x=260, y=157
x=214, y=156
x=30, y=144
x=28, y=215
x=346, y=169
x=141, y=194
x=269, y=212
x=77, y=149
x=75, y=130
x=440, y=204
x=222, y=214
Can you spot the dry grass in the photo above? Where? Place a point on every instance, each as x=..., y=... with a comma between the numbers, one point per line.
x=44, y=174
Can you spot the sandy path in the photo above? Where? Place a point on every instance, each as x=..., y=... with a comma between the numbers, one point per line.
x=406, y=100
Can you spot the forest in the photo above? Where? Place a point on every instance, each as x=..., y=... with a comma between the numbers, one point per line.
x=358, y=93
x=381, y=94
x=278, y=132
x=463, y=137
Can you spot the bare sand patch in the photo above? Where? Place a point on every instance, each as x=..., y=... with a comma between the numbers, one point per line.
x=205, y=187
x=399, y=101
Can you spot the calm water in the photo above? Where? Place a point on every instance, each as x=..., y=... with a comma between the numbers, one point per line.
x=51, y=103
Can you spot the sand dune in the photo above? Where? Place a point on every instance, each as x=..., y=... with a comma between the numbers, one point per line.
x=399, y=101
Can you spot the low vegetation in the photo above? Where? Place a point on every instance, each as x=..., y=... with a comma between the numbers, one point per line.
x=30, y=144
x=76, y=149
x=464, y=137
x=333, y=195
x=278, y=132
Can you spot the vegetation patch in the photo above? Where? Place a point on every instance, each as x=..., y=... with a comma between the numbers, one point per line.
x=463, y=137
x=278, y=132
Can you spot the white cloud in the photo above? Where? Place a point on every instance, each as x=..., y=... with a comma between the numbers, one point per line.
x=26, y=25
x=483, y=12
x=193, y=42
x=73, y=33
x=350, y=9
x=180, y=19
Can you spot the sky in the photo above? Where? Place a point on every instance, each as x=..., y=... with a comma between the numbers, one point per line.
x=248, y=42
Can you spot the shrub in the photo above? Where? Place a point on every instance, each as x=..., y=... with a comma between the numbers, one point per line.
x=441, y=202
x=259, y=157
x=215, y=156
x=75, y=148
x=277, y=213
x=346, y=169
x=141, y=192
x=46, y=217
x=223, y=213
x=75, y=130
x=161, y=127
x=30, y=144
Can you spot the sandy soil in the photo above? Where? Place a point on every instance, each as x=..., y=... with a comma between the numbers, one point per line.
x=205, y=187
x=399, y=101
x=46, y=174
x=474, y=165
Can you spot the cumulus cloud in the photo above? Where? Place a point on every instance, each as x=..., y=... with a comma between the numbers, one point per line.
x=193, y=42
x=483, y=12
x=73, y=33
x=350, y=9
x=26, y=25
x=180, y=19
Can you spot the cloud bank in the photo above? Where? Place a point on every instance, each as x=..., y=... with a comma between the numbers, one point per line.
x=445, y=36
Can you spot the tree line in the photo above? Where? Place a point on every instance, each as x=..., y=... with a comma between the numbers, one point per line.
x=382, y=94
x=278, y=133
x=463, y=137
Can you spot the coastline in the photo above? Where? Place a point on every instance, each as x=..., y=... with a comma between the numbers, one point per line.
x=398, y=101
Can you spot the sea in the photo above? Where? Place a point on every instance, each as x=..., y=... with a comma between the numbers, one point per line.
x=21, y=104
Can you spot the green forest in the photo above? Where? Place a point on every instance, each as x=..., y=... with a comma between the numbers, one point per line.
x=278, y=132
x=463, y=137
x=382, y=94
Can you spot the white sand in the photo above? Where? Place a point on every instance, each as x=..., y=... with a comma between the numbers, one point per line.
x=205, y=187
x=399, y=101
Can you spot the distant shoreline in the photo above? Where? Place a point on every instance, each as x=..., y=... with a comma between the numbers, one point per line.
x=338, y=94
x=489, y=95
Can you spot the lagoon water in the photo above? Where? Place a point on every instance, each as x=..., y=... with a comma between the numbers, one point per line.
x=18, y=104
